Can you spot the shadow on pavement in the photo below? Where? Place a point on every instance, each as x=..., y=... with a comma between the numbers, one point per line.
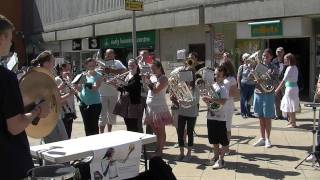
x=301, y=148
x=246, y=168
x=266, y=157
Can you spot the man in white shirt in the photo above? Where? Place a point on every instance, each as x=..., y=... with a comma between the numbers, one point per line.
x=108, y=93
x=144, y=68
x=278, y=61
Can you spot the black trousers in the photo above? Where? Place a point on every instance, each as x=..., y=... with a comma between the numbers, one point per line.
x=90, y=115
x=132, y=124
x=182, y=121
x=68, y=125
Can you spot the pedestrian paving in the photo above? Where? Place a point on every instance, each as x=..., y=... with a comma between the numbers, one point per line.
x=289, y=147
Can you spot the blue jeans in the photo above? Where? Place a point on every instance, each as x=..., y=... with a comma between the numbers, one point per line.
x=246, y=92
x=318, y=131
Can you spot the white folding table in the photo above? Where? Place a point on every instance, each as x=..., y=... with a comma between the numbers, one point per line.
x=79, y=148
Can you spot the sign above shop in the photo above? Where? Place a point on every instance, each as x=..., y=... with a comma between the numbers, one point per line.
x=145, y=39
x=134, y=5
x=93, y=43
x=266, y=28
x=76, y=44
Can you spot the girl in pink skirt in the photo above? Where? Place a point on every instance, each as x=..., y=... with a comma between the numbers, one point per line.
x=157, y=112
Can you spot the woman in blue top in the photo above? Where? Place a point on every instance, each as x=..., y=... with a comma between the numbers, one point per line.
x=90, y=107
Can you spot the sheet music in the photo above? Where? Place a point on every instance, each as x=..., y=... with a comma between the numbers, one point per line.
x=13, y=61
x=186, y=76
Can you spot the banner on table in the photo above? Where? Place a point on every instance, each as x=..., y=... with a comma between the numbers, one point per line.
x=115, y=163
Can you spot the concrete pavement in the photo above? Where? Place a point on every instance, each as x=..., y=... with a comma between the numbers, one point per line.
x=290, y=146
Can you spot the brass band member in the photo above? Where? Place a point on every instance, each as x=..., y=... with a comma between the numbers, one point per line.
x=90, y=96
x=216, y=120
x=63, y=80
x=108, y=93
x=132, y=109
x=264, y=102
x=187, y=120
x=157, y=114
x=46, y=60
x=14, y=146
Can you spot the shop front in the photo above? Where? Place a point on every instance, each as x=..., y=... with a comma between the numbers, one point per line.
x=293, y=34
x=78, y=50
x=122, y=44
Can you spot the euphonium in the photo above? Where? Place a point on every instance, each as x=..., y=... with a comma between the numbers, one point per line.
x=180, y=89
x=260, y=73
x=206, y=89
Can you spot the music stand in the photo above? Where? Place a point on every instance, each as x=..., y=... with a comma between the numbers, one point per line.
x=314, y=108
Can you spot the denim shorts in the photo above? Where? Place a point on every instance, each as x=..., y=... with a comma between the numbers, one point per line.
x=263, y=105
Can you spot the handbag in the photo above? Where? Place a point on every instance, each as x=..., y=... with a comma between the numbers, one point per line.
x=121, y=107
x=125, y=109
x=135, y=111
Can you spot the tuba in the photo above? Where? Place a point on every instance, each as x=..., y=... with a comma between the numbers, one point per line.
x=36, y=85
x=260, y=73
x=180, y=89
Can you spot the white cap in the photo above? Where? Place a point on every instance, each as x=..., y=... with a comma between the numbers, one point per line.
x=181, y=54
x=245, y=56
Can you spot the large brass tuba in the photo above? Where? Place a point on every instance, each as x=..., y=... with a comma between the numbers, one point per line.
x=179, y=88
x=260, y=73
x=36, y=85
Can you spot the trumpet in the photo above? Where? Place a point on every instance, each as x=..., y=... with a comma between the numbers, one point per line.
x=118, y=80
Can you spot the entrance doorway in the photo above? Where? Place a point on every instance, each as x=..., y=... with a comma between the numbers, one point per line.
x=300, y=47
x=200, y=49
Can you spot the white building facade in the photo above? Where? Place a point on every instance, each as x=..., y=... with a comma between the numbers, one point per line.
x=165, y=26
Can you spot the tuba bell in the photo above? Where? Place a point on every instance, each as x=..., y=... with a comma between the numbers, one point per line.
x=260, y=73
x=36, y=85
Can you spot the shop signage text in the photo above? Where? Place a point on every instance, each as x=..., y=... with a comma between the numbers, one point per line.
x=145, y=39
x=266, y=29
x=134, y=5
x=76, y=44
x=93, y=43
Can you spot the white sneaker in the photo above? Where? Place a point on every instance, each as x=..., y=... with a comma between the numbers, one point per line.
x=311, y=158
x=219, y=164
x=260, y=142
x=268, y=143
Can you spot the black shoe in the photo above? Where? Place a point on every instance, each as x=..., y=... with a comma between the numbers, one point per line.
x=279, y=118
x=244, y=116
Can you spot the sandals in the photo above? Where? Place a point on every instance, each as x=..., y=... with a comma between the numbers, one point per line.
x=179, y=158
x=187, y=158
x=292, y=126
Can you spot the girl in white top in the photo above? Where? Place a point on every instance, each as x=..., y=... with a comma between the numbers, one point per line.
x=157, y=113
x=230, y=84
x=290, y=100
